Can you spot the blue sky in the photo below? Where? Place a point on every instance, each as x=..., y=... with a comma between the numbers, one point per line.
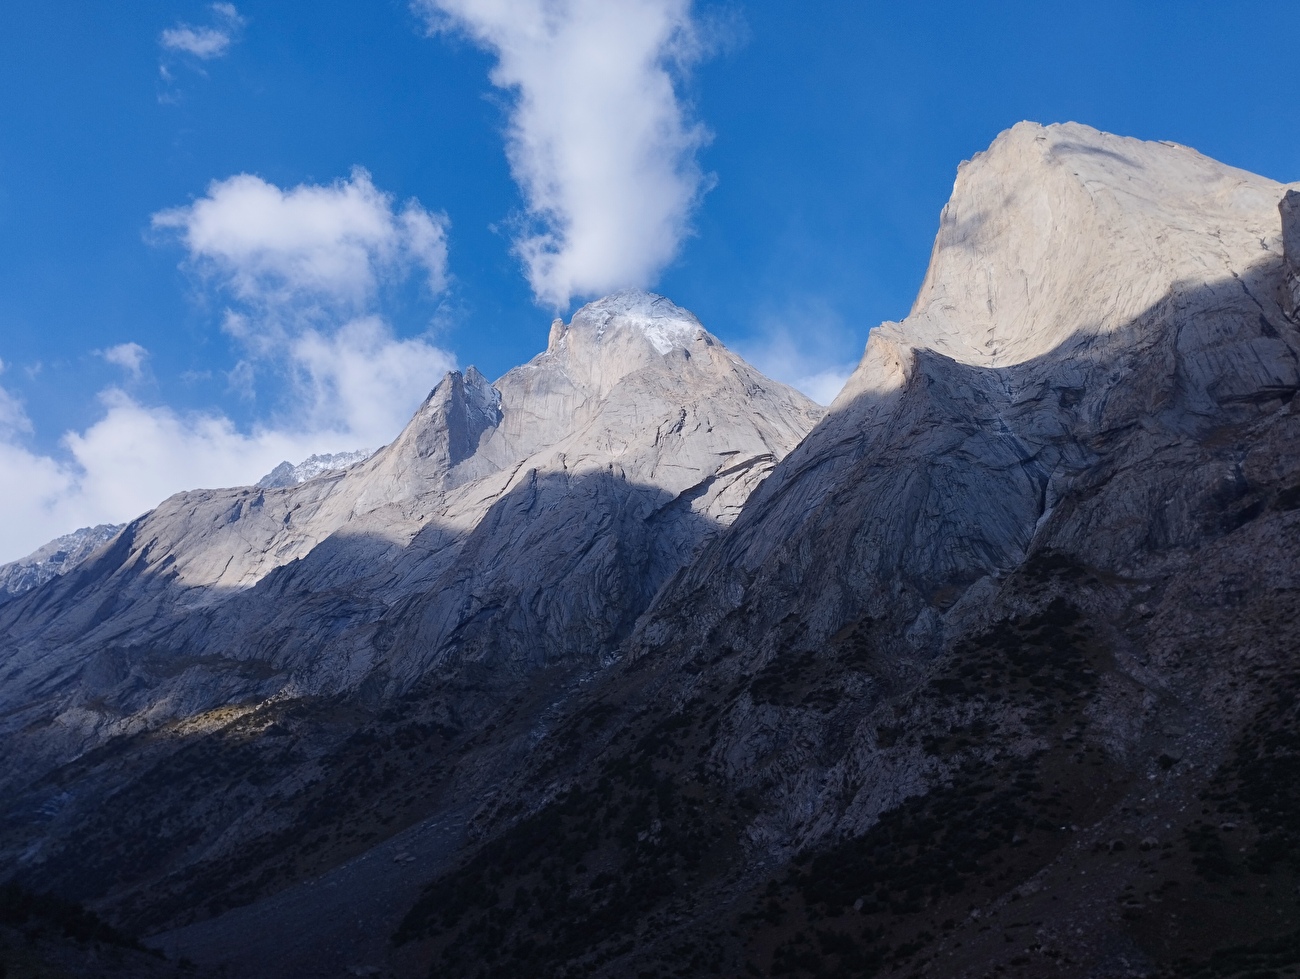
x=776, y=167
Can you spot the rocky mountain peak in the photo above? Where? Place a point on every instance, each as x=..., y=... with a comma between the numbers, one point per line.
x=461, y=410
x=661, y=321
x=602, y=455
x=630, y=315
x=1081, y=285
x=626, y=333
x=1043, y=226
x=287, y=474
x=56, y=558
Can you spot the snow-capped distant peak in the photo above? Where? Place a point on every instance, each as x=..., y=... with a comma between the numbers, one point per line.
x=665, y=324
x=287, y=474
x=57, y=557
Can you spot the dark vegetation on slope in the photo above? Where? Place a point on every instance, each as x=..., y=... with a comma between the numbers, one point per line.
x=20, y=908
x=43, y=936
x=578, y=885
x=641, y=868
x=307, y=784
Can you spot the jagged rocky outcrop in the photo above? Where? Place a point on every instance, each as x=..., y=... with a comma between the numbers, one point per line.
x=57, y=557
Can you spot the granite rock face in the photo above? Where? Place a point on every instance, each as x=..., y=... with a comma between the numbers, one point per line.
x=600, y=466
x=589, y=673
x=1089, y=298
x=1005, y=643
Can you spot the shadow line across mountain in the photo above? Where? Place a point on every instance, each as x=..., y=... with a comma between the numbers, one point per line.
x=806, y=688
x=977, y=570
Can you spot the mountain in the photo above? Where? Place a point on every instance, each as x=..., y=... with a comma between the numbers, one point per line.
x=994, y=674
x=57, y=557
x=497, y=550
x=287, y=474
x=634, y=663
x=606, y=460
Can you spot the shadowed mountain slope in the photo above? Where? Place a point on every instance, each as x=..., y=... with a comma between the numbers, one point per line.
x=995, y=673
x=600, y=466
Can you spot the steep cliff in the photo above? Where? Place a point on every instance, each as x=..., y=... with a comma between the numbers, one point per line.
x=588, y=673
x=995, y=673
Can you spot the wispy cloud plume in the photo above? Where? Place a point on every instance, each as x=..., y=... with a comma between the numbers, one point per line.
x=208, y=42
x=599, y=141
x=806, y=345
x=130, y=357
x=305, y=268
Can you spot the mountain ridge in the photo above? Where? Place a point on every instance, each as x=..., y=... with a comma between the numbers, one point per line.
x=1000, y=584
x=51, y=560
x=288, y=474
x=604, y=461
x=990, y=673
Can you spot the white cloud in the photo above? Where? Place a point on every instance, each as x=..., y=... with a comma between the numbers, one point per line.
x=355, y=388
x=34, y=488
x=364, y=381
x=13, y=419
x=298, y=265
x=134, y=456
x=128, y=356
x=598, y=140
x=806, y=346
x=204, y=43
x=311, y=244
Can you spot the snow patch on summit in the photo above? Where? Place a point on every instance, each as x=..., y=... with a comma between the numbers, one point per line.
x=287, y=474
x=665, y=324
